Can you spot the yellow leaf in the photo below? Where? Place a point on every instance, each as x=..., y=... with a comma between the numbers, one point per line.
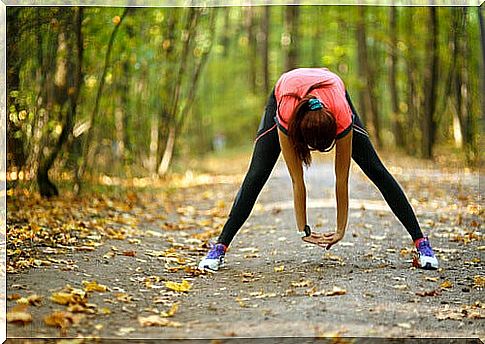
x=171, y=311
x=105, y=310
x=123, y=297
x=94, y=286
x=61, y=298
x=76, y=296
x=62, y=319
x=30, y=300
x=156, y=320
x=306, y=283
x=446, y=284
x=19, y=315
x=279, y=268
x=479, y=281
x=180, y=287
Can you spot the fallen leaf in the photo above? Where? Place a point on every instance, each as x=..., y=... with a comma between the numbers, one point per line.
x=305, y=283
x=434, y=292
x=171, y=312
x=446, y=284
x=76, y=296
x=19, y=315
x=479, y=282
x=94, y=286
x=34, y=300
x=400, y=286
x=123, y=331
x=404, y=325
x=336, y=291
x=280, y=268
x=62, y=319
x=123, y=297
x=156, y=320
x=180, y=287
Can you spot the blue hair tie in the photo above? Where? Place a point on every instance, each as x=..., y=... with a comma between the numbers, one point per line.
x=315, y=104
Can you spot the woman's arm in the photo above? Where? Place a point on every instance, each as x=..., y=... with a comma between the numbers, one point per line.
x=343, y=155
x=295, y=168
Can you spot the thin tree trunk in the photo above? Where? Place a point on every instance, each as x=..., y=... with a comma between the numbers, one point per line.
x=291, y=36
x=413, y=113
x=265, y=48
x=431, y=80
x=173, y=130
x=482, y=69
x=395, y=115
x=190, y=26
x=94, y=114
x=365, y=71
x=15, y=145
x=152, y=160
x=69, y=86
x=252, y=47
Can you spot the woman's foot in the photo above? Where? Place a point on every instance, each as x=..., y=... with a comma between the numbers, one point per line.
x=214, y=259
x=425, y=258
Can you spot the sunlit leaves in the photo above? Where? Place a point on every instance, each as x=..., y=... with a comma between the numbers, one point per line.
x=19, y=315
x=184, y=286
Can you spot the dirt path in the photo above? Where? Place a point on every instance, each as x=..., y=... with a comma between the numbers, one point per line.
x=274, y=284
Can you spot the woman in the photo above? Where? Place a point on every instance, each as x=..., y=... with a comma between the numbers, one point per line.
x=309, y=109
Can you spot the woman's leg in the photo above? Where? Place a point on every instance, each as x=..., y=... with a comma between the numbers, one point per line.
x=265, y=154
x=366, y=157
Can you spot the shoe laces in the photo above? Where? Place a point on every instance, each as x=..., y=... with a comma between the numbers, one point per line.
x=425, y=249
x=216, y=251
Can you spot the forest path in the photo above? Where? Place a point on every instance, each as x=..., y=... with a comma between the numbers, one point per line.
x=275, y=285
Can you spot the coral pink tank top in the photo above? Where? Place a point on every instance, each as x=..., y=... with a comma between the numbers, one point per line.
x=320, y=82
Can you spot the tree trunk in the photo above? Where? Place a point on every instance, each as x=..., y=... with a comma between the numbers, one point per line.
x=168, y=152
x=182, y=116
x=265, y=48
x=290, y=39
x=252, y=47
x=412, y=96
x=68, y=81
x=94, y=114
x=482, y=45
x=395, y=115
x=430, y=84
x=190, y=26
x=15, y=145
x=152, y=158
x=365, y=72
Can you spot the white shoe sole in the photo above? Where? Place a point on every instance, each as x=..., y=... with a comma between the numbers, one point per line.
x=211, y=264
x=427, y=263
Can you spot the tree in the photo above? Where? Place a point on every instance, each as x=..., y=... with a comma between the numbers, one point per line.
x=182, y=97
x=86, y=156
x=395, y=114
x=430, y=85
x=368, y=98
x=62, y=90
x=290, y=39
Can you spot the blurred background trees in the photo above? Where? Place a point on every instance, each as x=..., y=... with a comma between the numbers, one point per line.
x=128, y=92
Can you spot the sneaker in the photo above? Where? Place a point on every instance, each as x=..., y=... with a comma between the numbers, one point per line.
x=425, y=258
x=214, y=259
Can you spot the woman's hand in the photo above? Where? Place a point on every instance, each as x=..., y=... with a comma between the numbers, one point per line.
x=326, y=240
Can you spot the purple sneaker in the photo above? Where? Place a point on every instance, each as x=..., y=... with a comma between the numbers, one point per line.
x=214, y=259
x=425, y=258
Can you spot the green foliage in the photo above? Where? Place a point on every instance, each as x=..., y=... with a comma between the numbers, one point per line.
x=148, y=54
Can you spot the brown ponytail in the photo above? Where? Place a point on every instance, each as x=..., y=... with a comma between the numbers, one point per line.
x=311, y=128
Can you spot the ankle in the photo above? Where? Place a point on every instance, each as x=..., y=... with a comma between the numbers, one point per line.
x=223, y=245
x=418, y=241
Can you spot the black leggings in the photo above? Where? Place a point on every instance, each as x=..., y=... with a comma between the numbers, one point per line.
x=266, y=152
